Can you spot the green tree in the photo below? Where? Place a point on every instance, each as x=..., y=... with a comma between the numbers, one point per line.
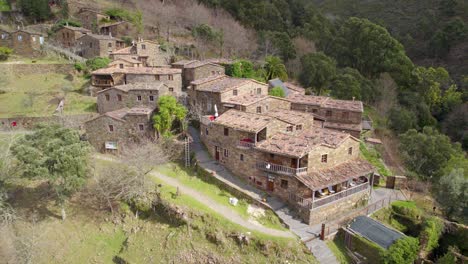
x=277, y=91
x=241, y=69
x=36, y=9
x=370, y=49
x=445, y=38
x=404, y=250
x=428, y=152
x=55, y=154
x=453, y=194
x=274, y=68
x=318, y=71
x=65, y=9
x=277, y=43
x=349, y=84
x=431, y=231
x=97, y=63
x=5, y=53
x=169, y=111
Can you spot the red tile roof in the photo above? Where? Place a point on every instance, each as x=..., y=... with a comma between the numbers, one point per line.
x=137, y=70
x=288, y=116
x=326, y=102
x=243, y=121
x=344, y=126
x=246, y=99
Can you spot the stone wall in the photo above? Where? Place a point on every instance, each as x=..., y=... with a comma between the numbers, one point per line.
x=67, y=37
x=335, y=156
x=192, y=74
x=175, y=83
x=326, y=212
x=25, y=44
x=128, y=99
x=27, y=123
x=334, y=115
x=27, y=69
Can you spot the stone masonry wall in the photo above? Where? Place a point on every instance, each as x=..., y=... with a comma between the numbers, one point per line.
x=129, y=99
x=335, y=156
x=72, y=121
x=192, y=74
x=175, y=83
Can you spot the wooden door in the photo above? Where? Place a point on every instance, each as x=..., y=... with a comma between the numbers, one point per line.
x=390, y=182
x=270, y=186
x=293, y=163
x=217, y=153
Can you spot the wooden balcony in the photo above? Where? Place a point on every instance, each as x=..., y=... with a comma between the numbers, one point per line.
x=245, y=144
x=318, y=202
x=280, y=169
x=103, y=82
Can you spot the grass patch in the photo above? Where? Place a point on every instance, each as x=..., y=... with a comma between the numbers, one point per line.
x=405, y=204
x=373, y=156
x=212, y=191
x=339, y=250
x=39, y=95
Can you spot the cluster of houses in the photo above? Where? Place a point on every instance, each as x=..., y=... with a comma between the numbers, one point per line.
x=303, y=149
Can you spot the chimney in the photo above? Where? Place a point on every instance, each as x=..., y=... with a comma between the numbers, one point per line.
x=353, y=98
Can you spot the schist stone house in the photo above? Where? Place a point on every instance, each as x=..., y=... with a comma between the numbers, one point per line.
x=217, y=90
x=316, y=170
x=109, y=132
x=342, y=115
x=91, y=18
x=92, y=45
x=123, y=63
x=67, y=36
x=147, y=52
x=117, y=29
x=131, y=95
x=194, y=70
x=23, y=42
x=104, y=78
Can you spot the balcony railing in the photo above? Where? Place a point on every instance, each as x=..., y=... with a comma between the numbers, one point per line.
x=280, y=169
x=245, y=144
x=318, y=202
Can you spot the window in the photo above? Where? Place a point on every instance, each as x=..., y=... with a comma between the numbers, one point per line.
x=226, y=131
x=109, y=45
x=314, y=110
x=170, y=77
x=259, y=90
x=90, y=44
x=151, y=98
x=206, y=131
x=107, y=97
x=350, y=151
x=119, y=97
x=68, y=35
x=345, y=115
x=156, y=77
x=139, y=98
x=171, y=89
x=299, y=127
x=284, y=184
x=143, y=46
x=111, y=128
x=141, y=127
x=4, y=36
x=289, y=129
x=259, y=109
x=121, y=66
x=20, y=38
x=226, y=153
x=234, y=92
x=63, y=34
x=328, y=113
x=324, y=158
x=241, y=157
x=272, y=156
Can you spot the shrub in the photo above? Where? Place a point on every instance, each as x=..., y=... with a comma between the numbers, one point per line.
x=404, y=250
x=97, y=63
x=431, y=232
x=277, y=91
x=136, y=18
x=407, y=209
x=63, y=22
x=5, y=53
x=80, y=66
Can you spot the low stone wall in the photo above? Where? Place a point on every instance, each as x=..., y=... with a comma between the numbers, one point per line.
x=323, y=213
x=27, y=123
x=26, y=69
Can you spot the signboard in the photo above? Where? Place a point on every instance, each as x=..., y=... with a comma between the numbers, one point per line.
x=111, y=145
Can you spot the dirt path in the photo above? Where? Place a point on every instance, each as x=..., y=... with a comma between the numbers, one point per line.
x=225, y=211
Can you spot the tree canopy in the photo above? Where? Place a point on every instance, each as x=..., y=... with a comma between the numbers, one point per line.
x=318, y=71
x=55, y=154
x=403, y=251
x=36, y=9
x=241, y=69
x=169, y=111
x=277, y=91
x=274, y=68
x=453, y=194
x=349, y=84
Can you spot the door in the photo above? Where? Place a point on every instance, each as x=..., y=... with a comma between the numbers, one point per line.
x=293, y=163
x=390, y=182
x=217, y=153
x=270, y=185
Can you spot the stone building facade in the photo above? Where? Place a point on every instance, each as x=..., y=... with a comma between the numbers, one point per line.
x=5, y=38
x=123, y=63
x=117, y=29
x=131, y=95
x=67, y=36
x=148, y=52
x=23, y=42
x=342, y=115
x=283, y=153
x=109, y=132
x=194, y=70
x=91, y=45
x=91, y=18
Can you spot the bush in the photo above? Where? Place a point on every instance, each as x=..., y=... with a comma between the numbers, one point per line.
x=63, y=22
x=5, y=53
x=81, y=67
x=430, y=234
x=277, y=91
x=404, y=250
x=97, y=63
x=407, y=209
x=136, y=18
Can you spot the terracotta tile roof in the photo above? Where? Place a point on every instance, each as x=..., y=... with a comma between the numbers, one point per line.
x=140, y=111
x=295, y=88
x=137, y=70
x=220, y=83
x=326, y=102
x=197, y=64
x=243, y=121
x=299, y=144
x=337, y=125
x=112, y=24
x=288, y=116
x=220, y=61
x=79, y=29
x=117, y=114
x=323, y=178
x=127, y=60
x=100, y=37
x=127, y=50
x=122, y=112
x=246, y=99
x=183, y=62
